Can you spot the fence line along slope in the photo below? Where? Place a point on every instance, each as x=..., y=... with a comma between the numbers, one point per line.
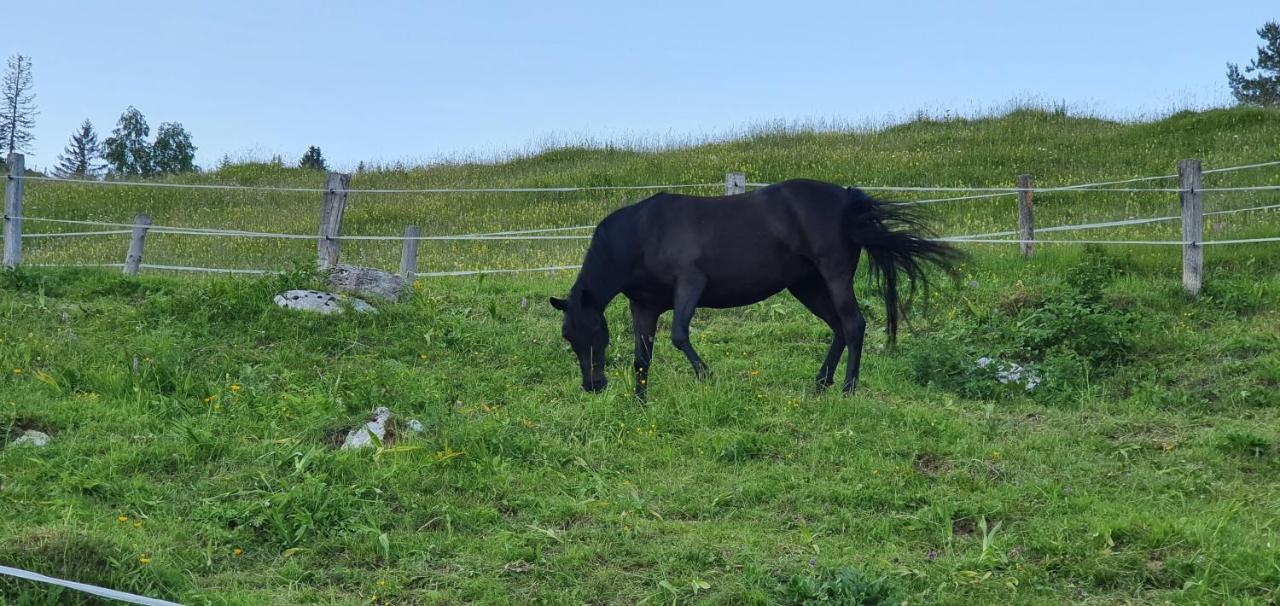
x=1056, y=149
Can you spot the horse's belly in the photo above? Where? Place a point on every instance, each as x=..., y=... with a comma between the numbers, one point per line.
x=752, y=284
x=736, y=297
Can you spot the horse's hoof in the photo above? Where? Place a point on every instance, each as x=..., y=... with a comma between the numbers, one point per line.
x=702, y=372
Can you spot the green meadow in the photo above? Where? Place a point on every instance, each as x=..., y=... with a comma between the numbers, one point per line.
x=195, y=425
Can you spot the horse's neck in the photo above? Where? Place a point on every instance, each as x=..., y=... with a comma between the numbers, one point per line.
x=603, y=275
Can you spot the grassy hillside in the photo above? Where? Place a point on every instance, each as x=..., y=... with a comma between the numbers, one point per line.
x=1056, y=148
x=194, y=422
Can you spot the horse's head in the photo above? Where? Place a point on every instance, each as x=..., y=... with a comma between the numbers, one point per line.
x=588, y=334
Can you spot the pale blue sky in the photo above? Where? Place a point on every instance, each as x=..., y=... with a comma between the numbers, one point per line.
x=413, y=81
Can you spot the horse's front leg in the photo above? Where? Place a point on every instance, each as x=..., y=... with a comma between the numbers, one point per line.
x=644, y=322
x=688, y=291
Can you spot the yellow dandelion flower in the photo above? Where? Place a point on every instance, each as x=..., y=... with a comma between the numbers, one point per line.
x=137, y=524
x=235, y=387
x=122, y=519
x=17, y=371
x=237, y=552
x=144, y=560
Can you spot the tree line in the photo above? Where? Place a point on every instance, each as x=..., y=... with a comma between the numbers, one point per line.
x=128, y=152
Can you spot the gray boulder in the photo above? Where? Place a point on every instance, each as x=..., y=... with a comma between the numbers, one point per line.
x=319, y=302
x=32, y=437
x=367, y=282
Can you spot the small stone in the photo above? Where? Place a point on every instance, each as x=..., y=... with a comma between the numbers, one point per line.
x=32, y=437
x=359, y=437
x=416, y=426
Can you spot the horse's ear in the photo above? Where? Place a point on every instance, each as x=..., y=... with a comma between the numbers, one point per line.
x=559, y=304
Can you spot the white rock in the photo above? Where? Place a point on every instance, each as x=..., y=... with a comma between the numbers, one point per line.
x=1011, y=372
x=415, y=426
x=366, y=282
x=359, y=437
x=32, y=437
x=319, y=302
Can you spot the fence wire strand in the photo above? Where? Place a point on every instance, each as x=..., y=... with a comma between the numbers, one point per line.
x=557, y=233
x=110, y=594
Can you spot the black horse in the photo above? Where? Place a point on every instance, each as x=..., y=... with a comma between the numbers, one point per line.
x=684, y=252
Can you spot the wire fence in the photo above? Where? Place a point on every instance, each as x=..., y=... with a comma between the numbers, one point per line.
x=111, y=594
x=210, y=208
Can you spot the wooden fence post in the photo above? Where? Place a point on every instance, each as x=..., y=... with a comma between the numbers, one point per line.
x=335, y=204
x=13, y=211
x=409, y=253
x=134, y=259
x=1026, y=223
x=1192, y=199
x=735, y=183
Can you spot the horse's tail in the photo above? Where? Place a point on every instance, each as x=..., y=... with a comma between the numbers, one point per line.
x=896, y=240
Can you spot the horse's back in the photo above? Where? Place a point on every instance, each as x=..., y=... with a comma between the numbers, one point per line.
x=747, y=246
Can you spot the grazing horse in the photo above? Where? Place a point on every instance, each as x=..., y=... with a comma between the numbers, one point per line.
x=675, y=252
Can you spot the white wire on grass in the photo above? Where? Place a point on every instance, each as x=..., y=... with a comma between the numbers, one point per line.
x=433, y=274
x=113, y=232
x=955, y=199
x=1242, y=167
x=518, y=190
x=474, y=272
x=1243, y=188
x=430, y=190
x=530, y=231
x=200, y=231
x=179, y=185
x=216, y=270
x=110, y=594
x=462, y=238
x=1120, y=223
x=1093, y=188
x=1139, y=242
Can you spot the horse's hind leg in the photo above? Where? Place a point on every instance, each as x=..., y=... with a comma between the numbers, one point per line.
x=688, y=291
x=839, y=282
x=813, y=294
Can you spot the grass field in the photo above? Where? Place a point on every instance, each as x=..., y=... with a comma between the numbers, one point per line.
x=194, y=422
